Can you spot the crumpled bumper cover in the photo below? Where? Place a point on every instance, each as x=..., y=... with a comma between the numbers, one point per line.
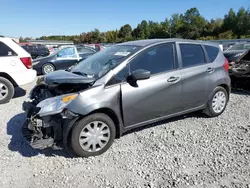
x=49, y=131
x=29, y=137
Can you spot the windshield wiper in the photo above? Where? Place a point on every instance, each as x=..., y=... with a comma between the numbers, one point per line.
x=84, y=74
x=80, y=73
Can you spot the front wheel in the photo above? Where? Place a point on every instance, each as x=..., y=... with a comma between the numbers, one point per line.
x=93, y=135
x=218, y=102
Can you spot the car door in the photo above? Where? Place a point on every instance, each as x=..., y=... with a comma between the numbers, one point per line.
x=66, y=58
x=157, y=96
x=194, y=72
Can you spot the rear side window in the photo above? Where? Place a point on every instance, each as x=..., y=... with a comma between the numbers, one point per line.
x=6, y=50
x=192, y=55
x=212, y=52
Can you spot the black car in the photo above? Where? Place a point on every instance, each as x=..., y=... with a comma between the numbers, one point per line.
x=239, y=59
x=62, y=59
x=36, y=51
x=236, y=51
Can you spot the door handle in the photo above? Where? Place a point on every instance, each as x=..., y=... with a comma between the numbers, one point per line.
x=210, y=70
x=173, y=79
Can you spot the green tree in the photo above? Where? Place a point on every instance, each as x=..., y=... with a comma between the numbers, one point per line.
x=229, y=21
x=226, y=35
x=112, y=36
x=193, y=24
x=165, y=28
x=176, y=23
x=125, y=33
x=242, y=21
x=155, y=30
x=96, y=36
x=213, y=28
x=21, y=39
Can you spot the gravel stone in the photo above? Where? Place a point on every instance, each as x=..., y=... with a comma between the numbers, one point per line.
x=188, y=151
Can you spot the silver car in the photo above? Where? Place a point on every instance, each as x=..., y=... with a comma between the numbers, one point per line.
x=123, y=87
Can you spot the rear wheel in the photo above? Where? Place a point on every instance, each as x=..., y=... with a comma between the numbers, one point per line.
x=6, y=90
x=218, y=102
x=48, y=68
x=93, y=135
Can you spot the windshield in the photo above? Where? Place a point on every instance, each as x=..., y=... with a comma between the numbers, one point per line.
x=56, y=50
x=105, y=60
x=240, y=47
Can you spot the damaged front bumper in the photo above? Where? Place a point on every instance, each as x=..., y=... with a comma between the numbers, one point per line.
x=47, y=131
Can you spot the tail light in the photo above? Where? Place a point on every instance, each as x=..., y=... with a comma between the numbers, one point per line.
x=27, y=62
x=226, y=65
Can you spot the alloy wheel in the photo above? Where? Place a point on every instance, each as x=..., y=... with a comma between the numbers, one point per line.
x=48, y=69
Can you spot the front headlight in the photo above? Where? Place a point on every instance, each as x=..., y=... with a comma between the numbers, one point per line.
x=238, y=55
x=54, y=105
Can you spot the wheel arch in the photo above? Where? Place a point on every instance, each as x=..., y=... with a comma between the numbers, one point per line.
x=8, y=77
x=226, y=87
x=107, y=111
x=113, y=116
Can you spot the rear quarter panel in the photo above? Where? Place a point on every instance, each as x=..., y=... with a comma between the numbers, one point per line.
x=222, y=76
x=12, y=64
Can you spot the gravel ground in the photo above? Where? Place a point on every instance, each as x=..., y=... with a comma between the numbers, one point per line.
x=190, y=151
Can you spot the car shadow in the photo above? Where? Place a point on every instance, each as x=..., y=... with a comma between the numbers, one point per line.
x=240, y=85
x=20, y=145
x=19, y=92
x=197, y=114
x=240, y=91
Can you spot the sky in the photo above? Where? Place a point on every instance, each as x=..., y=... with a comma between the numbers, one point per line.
x=35, y=18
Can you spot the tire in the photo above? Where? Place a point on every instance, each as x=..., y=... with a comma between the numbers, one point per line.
x=81, y=130
x=6, y=90
x=47, y=66
x=217, y=93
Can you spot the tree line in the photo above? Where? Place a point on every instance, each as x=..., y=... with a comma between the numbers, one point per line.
x=190, y=25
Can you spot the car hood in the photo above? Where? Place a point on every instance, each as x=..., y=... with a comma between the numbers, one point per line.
x=65, y=77
x=234, y=51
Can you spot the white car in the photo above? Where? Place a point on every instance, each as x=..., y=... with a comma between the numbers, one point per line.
x=15, y=68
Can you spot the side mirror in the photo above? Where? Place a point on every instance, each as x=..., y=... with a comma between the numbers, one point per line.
x=139, y=74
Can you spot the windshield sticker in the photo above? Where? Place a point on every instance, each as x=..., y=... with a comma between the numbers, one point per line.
x=122, y=53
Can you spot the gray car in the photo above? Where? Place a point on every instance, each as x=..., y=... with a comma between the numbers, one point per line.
x=123, y=87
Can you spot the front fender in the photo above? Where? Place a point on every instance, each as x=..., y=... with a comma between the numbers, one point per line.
x=99, y=99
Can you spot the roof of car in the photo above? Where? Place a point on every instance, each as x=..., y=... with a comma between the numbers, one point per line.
x=148, y=42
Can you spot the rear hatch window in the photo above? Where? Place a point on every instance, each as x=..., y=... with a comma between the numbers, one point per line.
x=212, y=52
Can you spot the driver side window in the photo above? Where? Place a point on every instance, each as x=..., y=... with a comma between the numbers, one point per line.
x=67, y=53
x=156, y=60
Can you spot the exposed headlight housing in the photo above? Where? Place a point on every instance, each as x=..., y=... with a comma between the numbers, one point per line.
x=54, y=105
